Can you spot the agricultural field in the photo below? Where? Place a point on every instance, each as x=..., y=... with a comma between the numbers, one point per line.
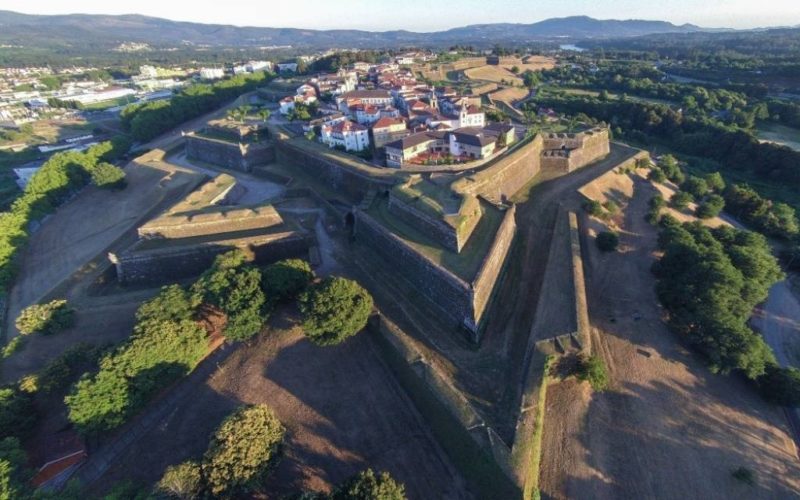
x=491, y=73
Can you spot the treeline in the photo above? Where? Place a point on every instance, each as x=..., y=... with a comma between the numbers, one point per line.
x=736, y=149
x=167, y=342
x=709, y=281
x=56, y=181
x=785, y=112
x=339, y=60
x=148, y=120
x=233, y=299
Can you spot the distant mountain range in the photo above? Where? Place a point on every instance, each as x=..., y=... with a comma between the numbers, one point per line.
x=76, y=30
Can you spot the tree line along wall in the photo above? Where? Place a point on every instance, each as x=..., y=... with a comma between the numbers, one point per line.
x=233, y=155
x=343, y=179
x=172, y=263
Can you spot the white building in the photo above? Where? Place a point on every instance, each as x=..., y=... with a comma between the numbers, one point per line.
x=350, y=135
x=287, y=105
x=211, y=73
x=283, y=67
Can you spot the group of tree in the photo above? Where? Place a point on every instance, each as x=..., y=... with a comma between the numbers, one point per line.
x=243, y=449
x=148, y=120
x=709, y=281
x=736, y=149
x=168, y=340
x=773, y=219
x=51, y=317
x=57, y=180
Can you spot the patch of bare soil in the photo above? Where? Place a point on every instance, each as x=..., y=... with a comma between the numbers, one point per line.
x=667, y=427
x=341, y=405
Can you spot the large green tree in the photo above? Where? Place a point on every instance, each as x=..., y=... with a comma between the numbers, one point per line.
x=242, y=450
x=335, y=309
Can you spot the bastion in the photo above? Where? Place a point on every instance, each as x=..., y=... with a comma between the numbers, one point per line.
x=184, y=240
x=230, y=144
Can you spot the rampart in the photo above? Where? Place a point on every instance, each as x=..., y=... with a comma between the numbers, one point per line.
x=489, y=276
x=346, y=179
x=224, y=220
x=233, y=155
x=448, y=291
x=176, y=262
x=507, y=175
x=464, y=303
x=569, y=152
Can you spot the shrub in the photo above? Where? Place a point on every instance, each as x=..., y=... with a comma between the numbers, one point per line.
x=17, y=413
x=13, y=474
x=781, y=386
x=680, y=200
x=593, y=370
x=108, y=176
x=242, y=450
x=335, y=309
x=744, y=475
x=715, y=182
x=696, y=186
x=710, y=207
x=183, y=481
x=13, y=346
x=593, y=208
x=612, y=207
x=607, y=241
x=157, y=353
x=233, y=286
x=367, y=485
x=173, y=303
x=657, y=175
x=46, y=318
x=285, y=280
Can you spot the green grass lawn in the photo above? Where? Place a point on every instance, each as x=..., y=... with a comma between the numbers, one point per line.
x=779, y=134
x=99, y=106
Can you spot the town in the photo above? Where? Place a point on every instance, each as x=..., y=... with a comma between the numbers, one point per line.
x=547, y=260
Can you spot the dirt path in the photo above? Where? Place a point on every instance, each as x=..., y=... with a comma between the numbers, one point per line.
x=778, y=320
x=667, y=428
x=342, y=407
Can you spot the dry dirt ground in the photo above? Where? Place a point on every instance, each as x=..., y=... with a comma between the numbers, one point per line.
x=667, y=427
x=509, y=95
x=498, y=73
x=341, y=405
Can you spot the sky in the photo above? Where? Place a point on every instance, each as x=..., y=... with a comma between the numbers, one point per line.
x=428, y=15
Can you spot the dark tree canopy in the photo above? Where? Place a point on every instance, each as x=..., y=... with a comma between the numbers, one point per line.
x=242, y=450
x=366, y=485
x=284, y=280
x=335, y=309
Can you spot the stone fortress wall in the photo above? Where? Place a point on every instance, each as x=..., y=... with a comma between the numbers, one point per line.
x=222, y=221
x=339, y=176
x=568, y=152
x=184, y=241
x=233, y=155
x=465, y=303
x=172, y=263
